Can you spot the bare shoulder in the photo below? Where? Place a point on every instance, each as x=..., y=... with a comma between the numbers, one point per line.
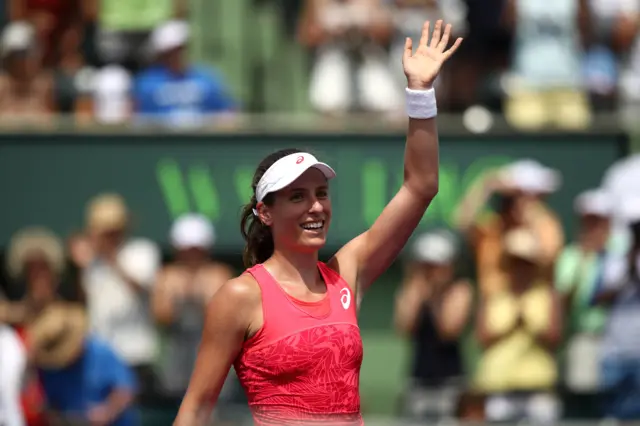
x=241, y=293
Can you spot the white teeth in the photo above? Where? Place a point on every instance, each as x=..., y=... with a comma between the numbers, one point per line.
x=312, y=225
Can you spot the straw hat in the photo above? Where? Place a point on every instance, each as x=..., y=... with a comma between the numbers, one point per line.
x=107, y=212
x=56, y=337
x=30, y=241
x=522, y=243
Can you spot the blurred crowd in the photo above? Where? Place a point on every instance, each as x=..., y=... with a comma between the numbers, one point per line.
x=96, y=327
x=543, y=64
x=554, y=318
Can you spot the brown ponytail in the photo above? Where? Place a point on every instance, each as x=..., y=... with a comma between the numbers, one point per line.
x=259, y=241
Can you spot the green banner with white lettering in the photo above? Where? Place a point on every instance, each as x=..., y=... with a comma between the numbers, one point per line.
x=47, y=180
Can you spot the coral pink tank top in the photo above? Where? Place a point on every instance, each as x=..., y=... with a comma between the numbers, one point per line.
x=303, y=365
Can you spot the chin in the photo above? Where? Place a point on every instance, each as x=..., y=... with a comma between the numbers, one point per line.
x=312, y=244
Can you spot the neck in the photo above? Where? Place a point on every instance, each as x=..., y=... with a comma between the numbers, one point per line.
x=294, y=267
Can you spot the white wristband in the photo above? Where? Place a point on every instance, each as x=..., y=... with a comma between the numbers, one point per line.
x=421, y=104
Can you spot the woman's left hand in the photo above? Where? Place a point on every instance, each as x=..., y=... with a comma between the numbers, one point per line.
x=422, y=67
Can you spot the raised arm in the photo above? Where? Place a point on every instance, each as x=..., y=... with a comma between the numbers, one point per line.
x=363, y=259
x=228, y=322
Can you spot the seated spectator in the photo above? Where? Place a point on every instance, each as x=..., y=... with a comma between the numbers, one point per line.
x=26, y=90
x=84, y=380
x=519, y=328
x=117, y=283
x=59, y=29
x=432, y=310
x=35, y=261
x=124, y=27
x=620, y=350
x=13, y=362
x=111, y=89
x=545, y=88
x=349, y=38
x=173, y=92
x=579, y=270
x=521, y=187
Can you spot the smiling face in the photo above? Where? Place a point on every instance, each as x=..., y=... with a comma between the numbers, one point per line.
x=300, y=214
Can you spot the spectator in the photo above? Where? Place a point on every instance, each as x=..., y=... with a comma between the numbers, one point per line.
x=348, y=39
x=124, y=27
x=117, y=283
x=84, y=380
x=173, y=92
x=36, y=260
x=13, y=362
x=59, y=29
x=519, y=328
x=579, y=270
x=621, y=342
x=521, y=186
x=26, y=90
x=111, y=89
x=432, y=309
x=180, y=296
x=547, y=59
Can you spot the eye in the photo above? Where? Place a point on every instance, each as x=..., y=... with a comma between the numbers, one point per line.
x=322, y=193
x=297, y=196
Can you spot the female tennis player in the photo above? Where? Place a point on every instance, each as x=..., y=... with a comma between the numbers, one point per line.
x=288, y=324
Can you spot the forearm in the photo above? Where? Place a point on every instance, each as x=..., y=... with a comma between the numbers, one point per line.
x=118, y=401
x=471, y=204
x=421, y=161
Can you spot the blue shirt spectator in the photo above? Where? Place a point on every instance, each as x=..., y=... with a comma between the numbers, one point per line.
x=89, y=382
x=174, y=92
x=179, y=99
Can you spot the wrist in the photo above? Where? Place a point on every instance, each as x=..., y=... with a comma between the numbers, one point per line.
x=421, y=104
x=419, y=85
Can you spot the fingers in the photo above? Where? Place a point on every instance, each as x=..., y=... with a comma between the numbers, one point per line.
x=424, y=38
x=437, y=32
x=408, y=49
x=445, y=38
x=453, y=48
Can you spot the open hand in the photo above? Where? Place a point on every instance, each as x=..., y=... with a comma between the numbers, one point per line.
x=422, y=67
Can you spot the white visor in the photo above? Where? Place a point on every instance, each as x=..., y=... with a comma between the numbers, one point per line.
x=286, y=170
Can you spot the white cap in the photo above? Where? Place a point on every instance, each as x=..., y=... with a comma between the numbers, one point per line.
x=531, y=176
x=169, y=35
x=434, y=247
x=597, y=202
x=629, y=209
x=192, y=231
x=17, y=36
x=286, y=170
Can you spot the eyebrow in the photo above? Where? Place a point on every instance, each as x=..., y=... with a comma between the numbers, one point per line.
x=305, y=189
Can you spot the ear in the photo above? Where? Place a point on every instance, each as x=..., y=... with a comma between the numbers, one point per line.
x=264, y=214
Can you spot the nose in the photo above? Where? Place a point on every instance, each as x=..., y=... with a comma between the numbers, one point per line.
x=316, y=207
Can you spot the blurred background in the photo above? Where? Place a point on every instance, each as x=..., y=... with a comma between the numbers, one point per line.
x=129, y=134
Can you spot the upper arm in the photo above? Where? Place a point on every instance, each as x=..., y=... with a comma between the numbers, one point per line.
x=229, y=318
x=367, y=256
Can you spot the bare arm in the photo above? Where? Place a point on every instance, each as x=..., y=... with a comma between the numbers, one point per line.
x=407, y=305
x=162, y=300
x=453, y=313
x=230, y=319
x=371, y=253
